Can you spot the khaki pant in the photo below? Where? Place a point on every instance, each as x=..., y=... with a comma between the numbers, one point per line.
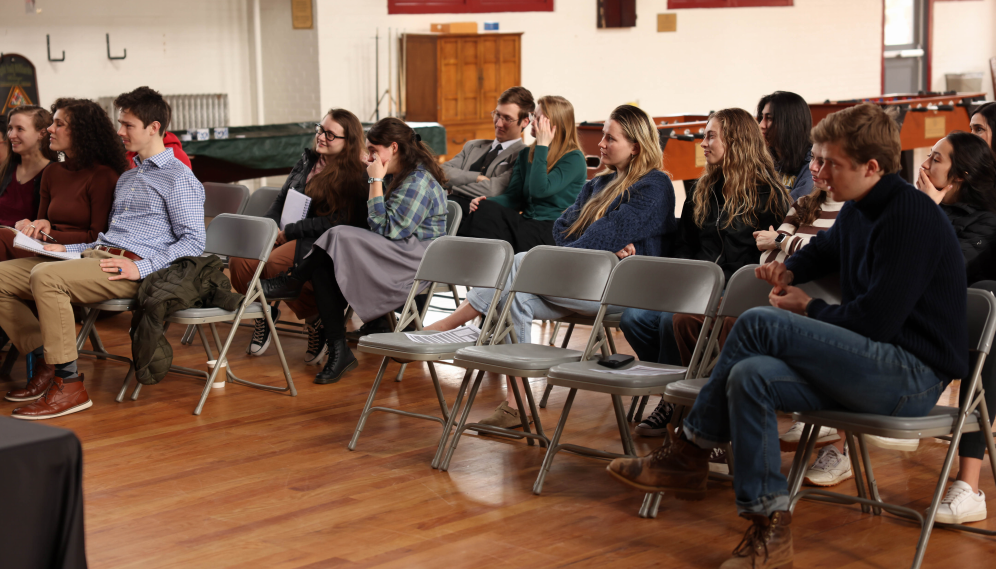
x=53, y=285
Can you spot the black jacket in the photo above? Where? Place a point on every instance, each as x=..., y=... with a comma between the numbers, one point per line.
x=976, y=231
x=730, y=248
x=313, y=226
x=189, y=282
x=35, y=193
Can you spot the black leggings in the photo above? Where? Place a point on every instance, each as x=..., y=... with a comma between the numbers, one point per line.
x=320, y=270
x=973, y=445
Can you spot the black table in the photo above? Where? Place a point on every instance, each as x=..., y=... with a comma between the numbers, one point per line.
x=41, y=511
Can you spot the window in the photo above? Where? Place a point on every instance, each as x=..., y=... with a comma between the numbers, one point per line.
x=678, y=4
x=466, y=6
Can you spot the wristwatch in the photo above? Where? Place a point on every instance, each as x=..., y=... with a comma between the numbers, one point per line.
x=781, y=237
x=372, y=180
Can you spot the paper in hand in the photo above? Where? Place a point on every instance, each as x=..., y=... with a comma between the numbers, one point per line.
x=22, y=241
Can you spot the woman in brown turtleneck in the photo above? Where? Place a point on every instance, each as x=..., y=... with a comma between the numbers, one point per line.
x=76, y=195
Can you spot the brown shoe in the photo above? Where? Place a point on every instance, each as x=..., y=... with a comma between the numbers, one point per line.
x=766, y=545
x=61, y=399
x=678, y=466
x=37, y=385
x=504, y=416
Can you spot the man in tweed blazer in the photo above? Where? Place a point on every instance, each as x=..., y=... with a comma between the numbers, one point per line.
x=484, y=167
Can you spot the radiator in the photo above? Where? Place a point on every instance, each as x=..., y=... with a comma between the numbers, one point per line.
x=189, y=111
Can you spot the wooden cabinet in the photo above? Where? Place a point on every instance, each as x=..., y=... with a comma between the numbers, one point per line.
x=455, y=80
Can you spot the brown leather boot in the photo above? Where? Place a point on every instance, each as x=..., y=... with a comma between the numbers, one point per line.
x=61, y=399
x=766, y=545
x=37, y=385
x=678, y=466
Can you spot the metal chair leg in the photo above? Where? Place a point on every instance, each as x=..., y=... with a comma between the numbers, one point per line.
x=401, y=372
x=522, y=408
x=367, y=405
x=448, y=426
x=639, y=411
x=553, y=335
x=546, y=396
x=461, y=426
x=188, y=335
x=623, y=425
x=552, y=449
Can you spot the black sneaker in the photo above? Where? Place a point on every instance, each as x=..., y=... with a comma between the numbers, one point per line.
x=656, y=424
x=317, y=348
x=282, y=287
x=718, y=462
x=261, y=335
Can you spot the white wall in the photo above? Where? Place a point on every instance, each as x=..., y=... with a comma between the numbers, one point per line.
x=290, y=66
x=181, y=46
x=964, y=40
x=718, y=57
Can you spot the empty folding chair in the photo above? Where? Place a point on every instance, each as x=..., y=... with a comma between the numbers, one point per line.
x=970, y=416
x=260, y=201
x=650, y=283
x=250, y=238
x=448, y=260
x=545, y=271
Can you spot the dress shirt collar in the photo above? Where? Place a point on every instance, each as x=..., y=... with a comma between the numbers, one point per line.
x=159, y=159
x=504, y=145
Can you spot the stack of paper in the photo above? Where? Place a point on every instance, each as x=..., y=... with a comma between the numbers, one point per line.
x=22, y=241
x=296, y=207
x=465, y=333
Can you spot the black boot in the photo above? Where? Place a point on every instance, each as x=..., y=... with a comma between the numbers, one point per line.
x=282, y=287
x=340, y=361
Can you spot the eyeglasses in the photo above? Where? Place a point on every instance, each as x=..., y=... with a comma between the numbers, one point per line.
x=328, y=134
x=495, y=115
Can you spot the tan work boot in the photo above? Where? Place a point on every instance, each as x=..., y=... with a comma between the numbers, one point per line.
x=766, y=545
x=504, y=416
x=678, y=466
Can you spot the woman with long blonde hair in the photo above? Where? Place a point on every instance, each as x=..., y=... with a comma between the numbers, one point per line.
x=628, y=210
x=545, y=181
x=739, y=193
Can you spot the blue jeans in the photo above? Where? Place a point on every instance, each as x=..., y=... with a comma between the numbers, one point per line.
x=651, y=335
x=775, y=360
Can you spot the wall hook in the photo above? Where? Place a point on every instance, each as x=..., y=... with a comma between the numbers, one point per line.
x=48, y=46
x=109, y=49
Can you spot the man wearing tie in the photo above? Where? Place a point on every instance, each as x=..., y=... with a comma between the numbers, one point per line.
x=484, y=167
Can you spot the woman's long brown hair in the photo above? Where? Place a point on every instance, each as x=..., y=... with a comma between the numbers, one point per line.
x=746, y=166
x=412, y=152
x=639, y=129
x=40, y=120
x=560, y=111
x=343, y=179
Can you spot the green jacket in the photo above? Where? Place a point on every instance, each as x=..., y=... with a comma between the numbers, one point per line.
x=188, y=282
x=543, y=195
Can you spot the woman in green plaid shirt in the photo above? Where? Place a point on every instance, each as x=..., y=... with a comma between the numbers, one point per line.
x=372, y=270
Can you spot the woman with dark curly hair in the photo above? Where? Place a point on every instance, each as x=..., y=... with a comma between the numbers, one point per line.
x=76, y=194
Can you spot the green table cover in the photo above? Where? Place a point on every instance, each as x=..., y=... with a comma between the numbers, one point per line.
x=280, y=145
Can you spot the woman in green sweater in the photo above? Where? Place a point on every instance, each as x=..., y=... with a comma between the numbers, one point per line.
x=546, y=180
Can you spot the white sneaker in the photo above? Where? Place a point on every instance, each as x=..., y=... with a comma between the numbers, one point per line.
x=905, y=445
x=831, y=468
x=960, y=505
x=789, y=441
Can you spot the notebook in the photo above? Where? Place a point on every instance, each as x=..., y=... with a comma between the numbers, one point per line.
x=22, y=241
x=296, y=207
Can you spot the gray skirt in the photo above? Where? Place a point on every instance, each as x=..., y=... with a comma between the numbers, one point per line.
x=374, y=273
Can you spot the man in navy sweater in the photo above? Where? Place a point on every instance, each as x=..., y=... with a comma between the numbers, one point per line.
x=891, y=347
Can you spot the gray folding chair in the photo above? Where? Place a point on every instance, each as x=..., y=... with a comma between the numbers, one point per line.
x=224, y=198
x=970, y=416
x=609, y=322
x=547, y=271
x=250, y=238
x=447, y=260
x=260, y=201
x=650, y=283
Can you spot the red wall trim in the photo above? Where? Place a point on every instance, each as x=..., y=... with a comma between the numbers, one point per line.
x=466, y=6
x=882, y=42
x=680, y=4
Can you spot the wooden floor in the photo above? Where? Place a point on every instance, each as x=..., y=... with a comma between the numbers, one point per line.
x=265, y=480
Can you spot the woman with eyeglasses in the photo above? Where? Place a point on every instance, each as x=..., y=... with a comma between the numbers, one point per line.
x=332, y=173
x=546, y=180
x=371, y=269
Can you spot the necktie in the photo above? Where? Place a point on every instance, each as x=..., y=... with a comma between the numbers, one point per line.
x=482, y=165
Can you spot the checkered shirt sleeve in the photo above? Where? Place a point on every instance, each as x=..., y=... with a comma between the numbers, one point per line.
x=417, y=207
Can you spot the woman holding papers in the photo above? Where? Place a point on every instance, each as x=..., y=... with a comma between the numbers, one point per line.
x=326, y=188
x=628, y=209
x=75, y=196
x=371, y=269
x=27, y=156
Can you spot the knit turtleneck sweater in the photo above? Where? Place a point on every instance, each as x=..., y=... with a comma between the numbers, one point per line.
x=902, y=275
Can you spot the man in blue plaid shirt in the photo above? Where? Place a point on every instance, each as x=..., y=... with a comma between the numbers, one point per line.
x=157, y=217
